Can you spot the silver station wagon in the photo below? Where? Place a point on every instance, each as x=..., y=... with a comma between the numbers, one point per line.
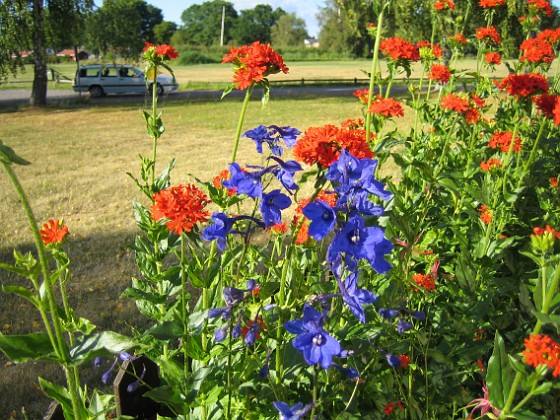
x=102, y=79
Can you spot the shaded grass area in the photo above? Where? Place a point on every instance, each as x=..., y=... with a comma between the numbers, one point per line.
x=80, y=156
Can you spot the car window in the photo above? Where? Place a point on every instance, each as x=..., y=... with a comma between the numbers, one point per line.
x=109, y=72
x=89, y=72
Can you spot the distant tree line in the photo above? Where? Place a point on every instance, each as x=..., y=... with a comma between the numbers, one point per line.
x=119, y=28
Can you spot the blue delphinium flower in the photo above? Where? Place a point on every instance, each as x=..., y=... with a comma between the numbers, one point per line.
x=223, y=226
x=286, y=133
x=219, y=230
x=248, y=183
x=271, y=135
x=259, y=135
x=393, y=360
x=271, y=205
x=285, y=171
x=349, y=372
x=312, y=340
x=294, y=412
x=388, y=313
x=322, y=217
x=403, y=326
x=361, y=242
x=351, y=173
x=355, y=297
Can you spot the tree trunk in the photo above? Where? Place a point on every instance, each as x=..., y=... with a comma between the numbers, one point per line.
x=39, y=91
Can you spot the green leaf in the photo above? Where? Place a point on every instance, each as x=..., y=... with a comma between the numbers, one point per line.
x=99, y=406
x=227, y=91
x=23, y=292
x=8, y=156
x=22, y=348
x=526, y=415
x=500, y=375
x=167, y=330
x=60, y=395
x=100, y=344
x=162, y=181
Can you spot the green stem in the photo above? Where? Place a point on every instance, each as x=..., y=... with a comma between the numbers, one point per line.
x=154, y=113
x=56, y=337
x=184, y=310
x=373, y=68
x=240, y=122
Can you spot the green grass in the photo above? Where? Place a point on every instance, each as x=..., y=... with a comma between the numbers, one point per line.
x=80, y=156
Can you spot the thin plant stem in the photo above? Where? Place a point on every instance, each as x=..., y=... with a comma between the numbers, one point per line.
x=154, y=113
x=374, y=62
x=56, y=336
x=183, y=304
x=240, y=122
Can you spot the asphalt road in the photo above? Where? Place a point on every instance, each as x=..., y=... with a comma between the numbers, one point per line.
x=11, y=97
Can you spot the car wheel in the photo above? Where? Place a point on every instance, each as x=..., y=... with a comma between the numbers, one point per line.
x=159, y=89
x=96, y=91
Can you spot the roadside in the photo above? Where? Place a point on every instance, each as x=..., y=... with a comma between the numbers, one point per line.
x=18, y=97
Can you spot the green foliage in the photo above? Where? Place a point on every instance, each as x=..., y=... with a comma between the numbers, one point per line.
x=202, y=23
x=288, y=31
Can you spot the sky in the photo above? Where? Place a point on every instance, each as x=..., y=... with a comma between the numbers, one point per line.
x=305, y=9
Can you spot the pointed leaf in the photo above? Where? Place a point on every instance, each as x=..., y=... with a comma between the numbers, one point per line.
x=22, y=348
x=99, y=344
x=500, y=374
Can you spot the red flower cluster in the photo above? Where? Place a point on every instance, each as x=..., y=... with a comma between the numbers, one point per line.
x=551, y=35
x=485, y=214
x=222, y=176
x=425, y=281
x=468, y=106
x=387, y=107
x=493, y=58
x=279, y=228
x=322, y=145
x=252, y=63
x=536, y=50
x=553, y=182
x=459, y=38
x=390, y=407
x=490, y=163
x=488, y=33
x=362, y=95
x=439, y=73
x=524, y=85
x=399, y=49
x=53, y=232
x=429, y=51
x=444, y=4
x=502, y=140
x=405, y=360
x=302, y=223
x=163, y=50
x=549, y=106
x=540, y=5
x=491, y=3
x=182, y=206
x=539, y=231
x=542, y=350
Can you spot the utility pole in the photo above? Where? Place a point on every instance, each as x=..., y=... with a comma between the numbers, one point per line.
x=223, y=26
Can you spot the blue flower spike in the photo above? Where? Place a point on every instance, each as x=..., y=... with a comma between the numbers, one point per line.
x=316, y=345
x=294, y=412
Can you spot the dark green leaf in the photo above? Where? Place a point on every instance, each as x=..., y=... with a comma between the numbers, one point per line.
x=22, y=348
x=8, y=156
x=500, y=374
x=60, y=395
